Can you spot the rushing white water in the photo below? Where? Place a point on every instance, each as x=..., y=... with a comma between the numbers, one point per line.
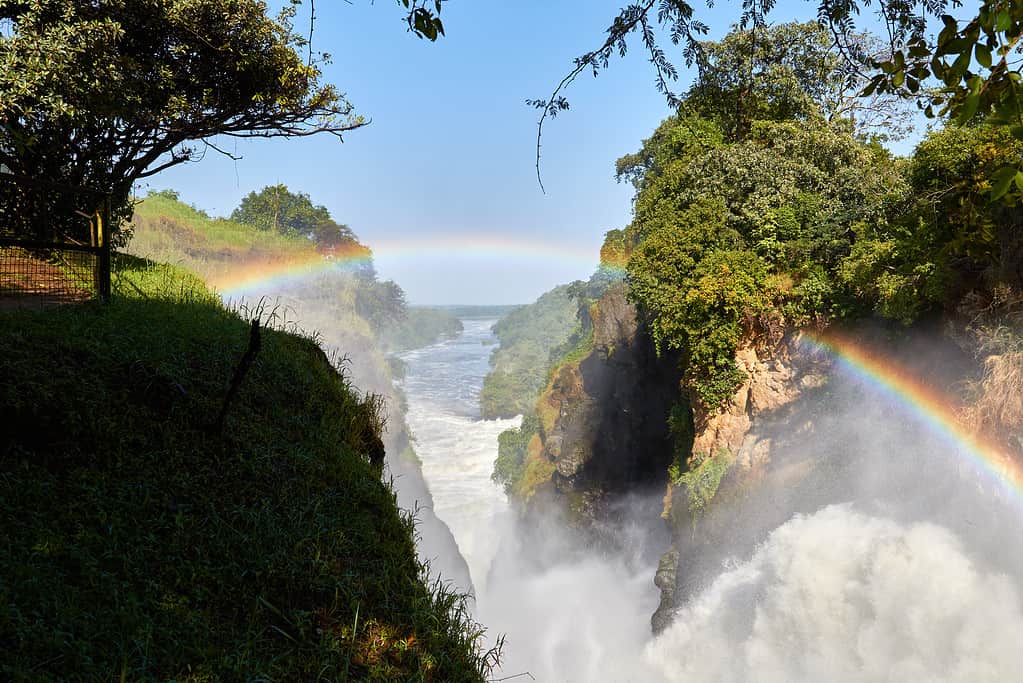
x=838, y=595
x=841, y=596
x=571, y=619
x=457, y=449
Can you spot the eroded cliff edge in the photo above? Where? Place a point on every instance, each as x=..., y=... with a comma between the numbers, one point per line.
x=807, y=428
x=604, y=417
x=797, y=434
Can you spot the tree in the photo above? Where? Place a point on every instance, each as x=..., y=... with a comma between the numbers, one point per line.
x=381, y=303
x=278, y=209
x=735, y=238
x=788, y=71
x=104, y=93
x=950, y=243
x=976, y=60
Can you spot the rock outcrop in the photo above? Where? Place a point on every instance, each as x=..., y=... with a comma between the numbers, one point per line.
x=604, y=417
x=741, y=435
x=804, y=432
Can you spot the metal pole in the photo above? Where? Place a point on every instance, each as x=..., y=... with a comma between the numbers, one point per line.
x=104, y=253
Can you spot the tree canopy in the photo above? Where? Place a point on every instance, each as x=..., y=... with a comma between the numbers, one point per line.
x=975, y=61
x=800, y=221
x=104, y=93
x=278, y=209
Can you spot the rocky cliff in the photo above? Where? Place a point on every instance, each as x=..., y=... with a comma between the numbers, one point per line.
x=734, y=446
x=799, y=433
x=604, y=415
x=803, y=431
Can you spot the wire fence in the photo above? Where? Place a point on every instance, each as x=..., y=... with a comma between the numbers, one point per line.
x=54, y=242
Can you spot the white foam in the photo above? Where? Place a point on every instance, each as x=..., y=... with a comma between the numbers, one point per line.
x=840, y=596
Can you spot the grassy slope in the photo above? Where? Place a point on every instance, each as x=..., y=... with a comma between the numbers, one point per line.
x=170, y=231
x=140, y=544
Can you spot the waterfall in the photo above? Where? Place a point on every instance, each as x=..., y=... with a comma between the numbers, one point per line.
x=857, y=591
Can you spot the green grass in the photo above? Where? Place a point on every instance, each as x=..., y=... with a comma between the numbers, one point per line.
x=702, y=479
x=215, y=232
x=140, y=543
x=169, y=231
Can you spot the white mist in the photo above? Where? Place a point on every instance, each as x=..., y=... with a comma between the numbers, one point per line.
x=841, y=594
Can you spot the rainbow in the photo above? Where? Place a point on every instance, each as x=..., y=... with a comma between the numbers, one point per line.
x=261, y=277
x=929, y=406
x=270, y=276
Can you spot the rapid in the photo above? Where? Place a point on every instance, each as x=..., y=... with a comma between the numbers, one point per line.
x=853, y=586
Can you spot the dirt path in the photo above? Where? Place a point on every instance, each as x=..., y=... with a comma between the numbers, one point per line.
x=30, y=282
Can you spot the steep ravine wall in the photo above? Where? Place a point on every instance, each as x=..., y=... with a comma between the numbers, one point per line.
x=773, y=404
x=791, y=440
x=604, y=425
x=801, y=433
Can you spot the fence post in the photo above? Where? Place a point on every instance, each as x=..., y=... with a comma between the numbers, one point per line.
x=104, y=253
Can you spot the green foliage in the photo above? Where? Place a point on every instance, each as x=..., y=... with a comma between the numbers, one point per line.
x=799, y=222
x=142, y=86
x=732, y=241
x=949, y=238
x=420, y=327
x=529, y=336
x=422, y=19
x=167, y=193
x=680, y=425
x=975, y=60
x=278, y=209
x=140, y=543
x=702, y=479
x=784, y=72
x=166, y=229
x=512, y=444
x=576, y=347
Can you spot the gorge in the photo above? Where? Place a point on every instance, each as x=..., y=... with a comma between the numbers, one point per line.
x=849, y=538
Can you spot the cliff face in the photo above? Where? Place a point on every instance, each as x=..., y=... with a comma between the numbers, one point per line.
x=798, y=434
x=604, y=417
x=770, y=406
x=802, y=433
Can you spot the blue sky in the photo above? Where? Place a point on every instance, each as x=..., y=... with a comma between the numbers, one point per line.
x=450, y=151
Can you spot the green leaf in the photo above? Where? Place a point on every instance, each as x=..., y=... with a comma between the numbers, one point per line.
x=1002, y=180
x=983, y=55
x=918, y=51
x=1019, y=181
x=1003, y=21
x=959, y=45
x=960, y=65
x=1016, y=132
x=968, y=109
x=871, y=87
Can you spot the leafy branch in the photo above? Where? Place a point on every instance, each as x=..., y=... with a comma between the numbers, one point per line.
x=675, y=15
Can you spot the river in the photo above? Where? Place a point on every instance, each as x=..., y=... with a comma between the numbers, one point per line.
x=843, y=592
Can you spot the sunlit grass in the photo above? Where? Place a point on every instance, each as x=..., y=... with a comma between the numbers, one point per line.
x=143, y=542
x=169, y=231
